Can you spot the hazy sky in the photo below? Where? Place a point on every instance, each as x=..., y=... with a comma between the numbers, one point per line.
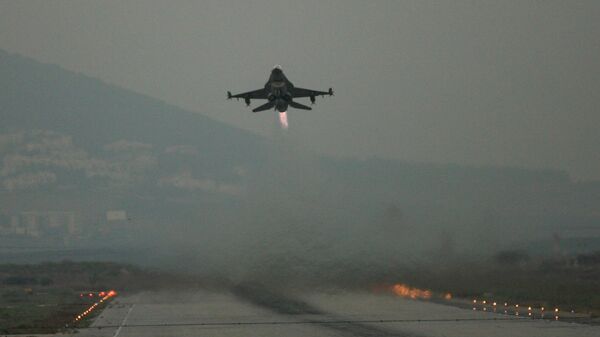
x=512, y=83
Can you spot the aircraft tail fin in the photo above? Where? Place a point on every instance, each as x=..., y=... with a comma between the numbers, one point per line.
x=266, y=106
x=299, y=106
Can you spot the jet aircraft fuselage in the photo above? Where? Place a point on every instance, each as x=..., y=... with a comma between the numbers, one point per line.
x=280, y=93
x=278, y=85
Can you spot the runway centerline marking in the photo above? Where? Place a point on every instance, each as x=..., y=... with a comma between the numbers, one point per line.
x=124, y=321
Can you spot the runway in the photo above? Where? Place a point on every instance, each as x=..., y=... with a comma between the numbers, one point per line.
x=206, y=313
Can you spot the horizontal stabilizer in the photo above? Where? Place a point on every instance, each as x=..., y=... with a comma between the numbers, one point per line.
x=266, y=106
x=299, y=106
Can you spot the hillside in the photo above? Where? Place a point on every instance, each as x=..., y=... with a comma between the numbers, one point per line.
x=73, y=148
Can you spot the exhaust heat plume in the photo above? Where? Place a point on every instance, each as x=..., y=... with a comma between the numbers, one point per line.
x=283, y=120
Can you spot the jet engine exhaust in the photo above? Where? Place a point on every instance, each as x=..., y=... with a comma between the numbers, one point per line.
x=283, y=120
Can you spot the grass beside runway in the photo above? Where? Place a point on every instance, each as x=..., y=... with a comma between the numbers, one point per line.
x=547, y=284
x=38, y=309
x=46, y=297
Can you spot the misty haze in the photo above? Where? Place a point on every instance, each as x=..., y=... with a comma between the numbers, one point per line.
x=451, y=185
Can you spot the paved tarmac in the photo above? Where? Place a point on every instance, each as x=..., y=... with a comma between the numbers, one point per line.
x=205, y=313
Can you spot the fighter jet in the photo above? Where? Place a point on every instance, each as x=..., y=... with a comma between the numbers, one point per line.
x=280, y=93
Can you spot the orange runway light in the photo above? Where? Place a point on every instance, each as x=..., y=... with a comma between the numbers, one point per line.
x=94, y=305
x=414, y=293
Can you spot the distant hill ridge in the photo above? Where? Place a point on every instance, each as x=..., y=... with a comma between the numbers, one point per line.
x=47, y=97
x=69, y=141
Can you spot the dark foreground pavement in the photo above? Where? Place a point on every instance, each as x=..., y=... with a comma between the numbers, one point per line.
x=246, y=312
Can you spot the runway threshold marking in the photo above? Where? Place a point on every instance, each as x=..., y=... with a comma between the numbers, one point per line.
x=124, y=321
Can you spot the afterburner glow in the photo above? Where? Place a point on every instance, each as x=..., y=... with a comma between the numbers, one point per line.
x=283, y=120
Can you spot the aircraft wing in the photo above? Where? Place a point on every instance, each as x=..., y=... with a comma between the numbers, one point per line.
x=301, y=92
x=255, y=94
x=266, y=106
